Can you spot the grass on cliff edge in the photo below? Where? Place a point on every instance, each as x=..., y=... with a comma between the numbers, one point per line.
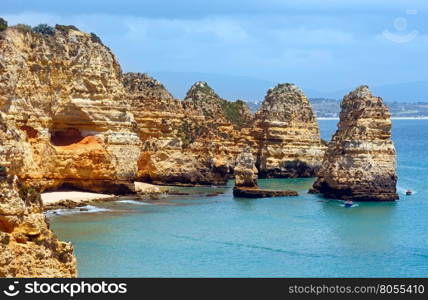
x=233, y=112
x=3, y=24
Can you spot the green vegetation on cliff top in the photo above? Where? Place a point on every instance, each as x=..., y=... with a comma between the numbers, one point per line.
x=233, y=111
x=3, y=24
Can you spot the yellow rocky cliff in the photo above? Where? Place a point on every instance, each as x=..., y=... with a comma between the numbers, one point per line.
x=64, y=93
x=360, y=162
x=28, y=248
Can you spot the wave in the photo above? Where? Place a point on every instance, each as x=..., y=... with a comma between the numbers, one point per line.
x=403, y=191
x=134, y=202
x=353, y=205
x=77, y=210
x=253, y=246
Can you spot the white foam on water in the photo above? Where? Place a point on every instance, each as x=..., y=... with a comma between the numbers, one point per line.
x=403, y=191
x=353, y=205
x=134, y=202
x=77, y=210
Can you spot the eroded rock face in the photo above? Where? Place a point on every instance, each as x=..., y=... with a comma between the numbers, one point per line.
x=287, y=134
x=28, y=248
x=220, y=134
x=245, y=169
x=82, y=123
x=205, y=100
x=65, y=96
x=359, y=163
x=173, y=136
x=246, y=179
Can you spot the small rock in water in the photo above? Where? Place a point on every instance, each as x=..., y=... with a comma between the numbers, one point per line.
x=178, y=193
x=246, y=179
x=213, y=194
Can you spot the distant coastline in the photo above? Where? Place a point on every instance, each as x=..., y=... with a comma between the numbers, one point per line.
x=392, y=118
x=330, y=108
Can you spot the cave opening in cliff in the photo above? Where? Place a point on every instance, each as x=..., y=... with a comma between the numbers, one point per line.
x=66, y=137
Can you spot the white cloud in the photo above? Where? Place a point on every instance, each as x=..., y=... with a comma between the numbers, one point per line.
x=31, y=18
x=305, y=36
x=265, y=46
x=221, y=29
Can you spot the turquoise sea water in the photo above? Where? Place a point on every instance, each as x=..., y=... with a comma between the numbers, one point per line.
x=306, y=236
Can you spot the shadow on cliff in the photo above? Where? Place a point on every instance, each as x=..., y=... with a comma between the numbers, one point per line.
x=69, y=124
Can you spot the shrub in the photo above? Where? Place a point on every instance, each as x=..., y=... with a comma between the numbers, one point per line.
x=66, y=28
x=188, y=132
x=3, y=24
x=233, y=112
x=23, y=28
x=44, y=29
x=96, y=39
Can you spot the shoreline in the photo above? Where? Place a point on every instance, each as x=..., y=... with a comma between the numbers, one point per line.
x=70, y=199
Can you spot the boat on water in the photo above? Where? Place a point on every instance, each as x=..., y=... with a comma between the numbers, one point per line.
x=409, y=193
x=349, y=203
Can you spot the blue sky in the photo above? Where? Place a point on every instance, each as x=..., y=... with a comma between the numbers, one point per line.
x=323, y=45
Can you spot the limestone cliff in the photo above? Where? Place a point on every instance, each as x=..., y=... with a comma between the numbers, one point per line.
x=28, y=248
x=64, y=93
x=206, y=101
x=221, y=134
x=82, y=123
x=359, y=163
x=245, y=169
x=286, y=134
x=172, y=135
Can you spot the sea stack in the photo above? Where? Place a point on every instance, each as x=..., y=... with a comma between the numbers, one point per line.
x=246, y=179
x=176, y=139
x=245, y=170
x=287, y=134
x=359, y=163
x=205, y=100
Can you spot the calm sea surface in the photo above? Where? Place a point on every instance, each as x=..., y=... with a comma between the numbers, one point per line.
x=201, y=236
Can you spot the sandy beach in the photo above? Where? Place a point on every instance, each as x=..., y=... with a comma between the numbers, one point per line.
x=71, y=199
x=52, y=200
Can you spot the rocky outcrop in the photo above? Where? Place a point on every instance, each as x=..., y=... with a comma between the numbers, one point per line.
x=174, y=136
x=206, y=101
x=245, y=170
x=84, y=124
x=64, y=94
x=246, y=179
x=286, y=133
x=28, y=248
x=220, y=134
x=359, y=163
